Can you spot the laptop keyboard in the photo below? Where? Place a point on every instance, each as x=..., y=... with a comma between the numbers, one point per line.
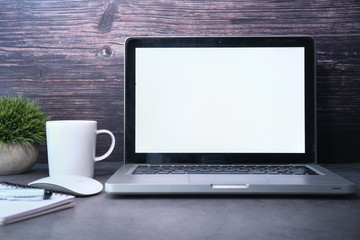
x=224, y=169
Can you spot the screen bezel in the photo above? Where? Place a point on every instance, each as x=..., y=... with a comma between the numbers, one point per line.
x=130, y=156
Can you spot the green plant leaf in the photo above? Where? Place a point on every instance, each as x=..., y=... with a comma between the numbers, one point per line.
x=21, y=121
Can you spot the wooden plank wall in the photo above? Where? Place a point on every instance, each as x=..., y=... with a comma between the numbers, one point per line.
x=68, y=54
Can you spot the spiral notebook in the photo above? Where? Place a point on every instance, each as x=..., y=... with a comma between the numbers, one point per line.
x=14, y=211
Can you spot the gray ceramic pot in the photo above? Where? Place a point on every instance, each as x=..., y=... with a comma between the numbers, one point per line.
x=17, y=158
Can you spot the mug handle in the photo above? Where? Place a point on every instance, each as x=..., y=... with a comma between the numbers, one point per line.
x=111, y=147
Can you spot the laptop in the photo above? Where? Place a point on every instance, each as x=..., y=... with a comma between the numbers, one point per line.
x=221, y=115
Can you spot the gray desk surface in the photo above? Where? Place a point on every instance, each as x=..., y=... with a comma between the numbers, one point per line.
x=193, y=217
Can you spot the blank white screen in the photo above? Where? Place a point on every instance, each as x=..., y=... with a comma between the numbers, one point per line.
x=219, y=100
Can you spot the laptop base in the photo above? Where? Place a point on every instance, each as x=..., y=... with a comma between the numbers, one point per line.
x=325, y=183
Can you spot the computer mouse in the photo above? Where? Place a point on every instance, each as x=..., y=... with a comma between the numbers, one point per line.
x=71, y=184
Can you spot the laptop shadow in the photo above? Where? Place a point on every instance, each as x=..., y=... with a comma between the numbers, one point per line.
x=354, y=196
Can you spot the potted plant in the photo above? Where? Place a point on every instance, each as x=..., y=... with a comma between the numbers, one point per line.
x=22, y=128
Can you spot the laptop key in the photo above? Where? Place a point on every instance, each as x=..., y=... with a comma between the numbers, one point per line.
x=178, y=172
x=257, y=172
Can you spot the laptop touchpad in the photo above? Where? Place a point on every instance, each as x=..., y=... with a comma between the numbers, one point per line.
x=228, y=179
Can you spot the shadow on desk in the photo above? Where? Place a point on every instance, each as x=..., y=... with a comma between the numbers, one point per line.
x=354, y=196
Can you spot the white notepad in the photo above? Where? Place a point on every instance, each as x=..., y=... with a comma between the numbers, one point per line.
x=13, y=211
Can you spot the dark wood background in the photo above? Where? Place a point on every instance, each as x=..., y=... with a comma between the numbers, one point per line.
x=68, y=55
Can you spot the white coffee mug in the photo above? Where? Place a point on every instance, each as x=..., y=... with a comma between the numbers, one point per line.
x=71, y=146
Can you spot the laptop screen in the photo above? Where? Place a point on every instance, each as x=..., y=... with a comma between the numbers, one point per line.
x=205, y=102
x=239, y=100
